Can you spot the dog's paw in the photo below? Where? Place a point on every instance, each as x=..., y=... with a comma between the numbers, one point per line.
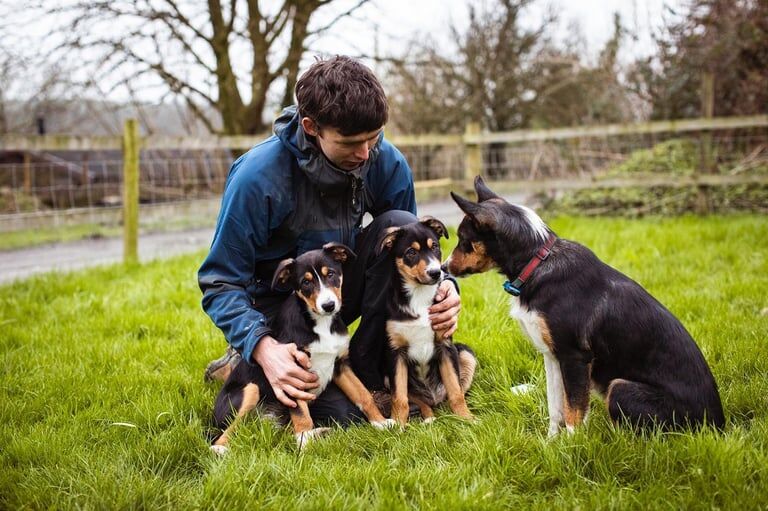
x=554, y=430
x=429, y=420
x=305, y=438
x=385, y=424
x=219, y=450
x=522, y=389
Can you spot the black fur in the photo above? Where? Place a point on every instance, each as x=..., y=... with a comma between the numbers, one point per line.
x=417, y=248
x=604, y=326
x=294, y=324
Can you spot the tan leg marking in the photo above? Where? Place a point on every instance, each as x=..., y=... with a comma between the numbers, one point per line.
x=576, y=413
x=453, y=389
x=400, y=396
x=426, y=411
x=467, y=366
x=546, y=335
x=573, y=416
x=300, y=418
x=250, y=400
x=358, y=394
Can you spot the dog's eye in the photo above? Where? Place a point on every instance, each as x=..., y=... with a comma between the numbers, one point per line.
x=306, y=284
x=331, y=273
x=466, y=246
x=410, y=252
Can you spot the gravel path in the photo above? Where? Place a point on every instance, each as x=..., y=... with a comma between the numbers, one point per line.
x=75, y=255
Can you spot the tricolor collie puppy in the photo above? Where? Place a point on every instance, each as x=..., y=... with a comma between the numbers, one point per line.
x=595, y=327
x=309, y=318
x=424, y=368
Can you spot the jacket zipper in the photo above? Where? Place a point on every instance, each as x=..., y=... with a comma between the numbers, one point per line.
x=347, y=234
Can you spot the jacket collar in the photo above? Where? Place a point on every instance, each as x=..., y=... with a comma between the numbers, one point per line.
x=319, y=170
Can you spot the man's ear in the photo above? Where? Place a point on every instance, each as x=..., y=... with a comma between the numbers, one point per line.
x=339, y=252
x=388, y=241
x=283, y=272
x=483, y=216
x=483, y=192
x=309, y=126
x=436, y=225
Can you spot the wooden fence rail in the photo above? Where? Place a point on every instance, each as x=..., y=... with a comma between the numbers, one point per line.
x=470, y=145
x=473, y=136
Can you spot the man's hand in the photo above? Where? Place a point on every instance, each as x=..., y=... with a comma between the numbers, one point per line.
x=444, y=314
x=285, y=367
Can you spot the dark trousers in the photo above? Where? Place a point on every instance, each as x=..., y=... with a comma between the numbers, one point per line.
x=366, y=286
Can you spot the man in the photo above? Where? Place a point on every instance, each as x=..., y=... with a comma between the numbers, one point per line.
x=326, y=165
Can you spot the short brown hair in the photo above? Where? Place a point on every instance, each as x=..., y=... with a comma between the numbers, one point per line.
x=342, y=93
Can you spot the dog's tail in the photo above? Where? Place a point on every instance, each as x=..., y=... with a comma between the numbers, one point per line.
x=467, y=366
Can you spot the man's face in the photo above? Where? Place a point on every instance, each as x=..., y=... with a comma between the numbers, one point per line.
x=347, y=152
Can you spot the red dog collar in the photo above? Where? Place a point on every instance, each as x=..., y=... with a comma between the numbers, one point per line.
x=514, y=288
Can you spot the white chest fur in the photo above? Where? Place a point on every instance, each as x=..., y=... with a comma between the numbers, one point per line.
x=418, y=332
x=325, y=351
x=530, y=322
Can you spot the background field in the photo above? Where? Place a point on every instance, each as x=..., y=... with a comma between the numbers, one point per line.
x=102, y=403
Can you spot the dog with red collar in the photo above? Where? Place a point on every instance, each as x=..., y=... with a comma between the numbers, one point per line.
x=596, y=328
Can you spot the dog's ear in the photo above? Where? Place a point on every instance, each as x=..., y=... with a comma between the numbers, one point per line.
x=388, y=241
x=434, y=224
x=466, y=205
x=483, y=215
x=339, y=252
x=283, y=272
x=483, y=192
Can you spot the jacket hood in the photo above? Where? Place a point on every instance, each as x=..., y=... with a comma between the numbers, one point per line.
x=318, y=169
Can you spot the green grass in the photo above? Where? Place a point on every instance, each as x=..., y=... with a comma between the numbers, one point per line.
x=32, y=237
x=102, y=403
x=41, y=236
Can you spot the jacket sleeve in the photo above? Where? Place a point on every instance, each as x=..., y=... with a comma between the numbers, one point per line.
x=241, y=234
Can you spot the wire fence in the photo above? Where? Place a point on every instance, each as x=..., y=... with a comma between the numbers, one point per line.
x=41, y=187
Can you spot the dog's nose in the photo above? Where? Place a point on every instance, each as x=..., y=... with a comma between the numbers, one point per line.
x=328, y=306
x=434, y=273
x=444, y=267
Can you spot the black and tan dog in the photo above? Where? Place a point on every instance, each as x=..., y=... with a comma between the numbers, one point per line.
x=309, y=318
x=595, y=327
x=424, y=368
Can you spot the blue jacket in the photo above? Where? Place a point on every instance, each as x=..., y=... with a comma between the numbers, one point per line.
x=281, y=199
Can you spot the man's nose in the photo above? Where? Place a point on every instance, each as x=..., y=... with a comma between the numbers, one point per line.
x=362, y=151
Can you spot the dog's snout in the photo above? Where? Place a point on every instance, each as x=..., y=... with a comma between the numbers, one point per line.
x=444, y=267
x=329, y=306
x=434, y=273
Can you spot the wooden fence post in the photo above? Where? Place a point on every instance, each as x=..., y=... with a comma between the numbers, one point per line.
x=707, y=163
x=131, y=149
x=473, y=154
x=28, y=173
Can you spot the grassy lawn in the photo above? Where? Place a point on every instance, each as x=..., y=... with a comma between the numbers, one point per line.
x=102, y=403
x=32, y=237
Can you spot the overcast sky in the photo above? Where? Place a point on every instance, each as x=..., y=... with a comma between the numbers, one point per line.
x=398, y=20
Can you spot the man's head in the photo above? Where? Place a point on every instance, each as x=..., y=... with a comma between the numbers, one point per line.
x=342, y=104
